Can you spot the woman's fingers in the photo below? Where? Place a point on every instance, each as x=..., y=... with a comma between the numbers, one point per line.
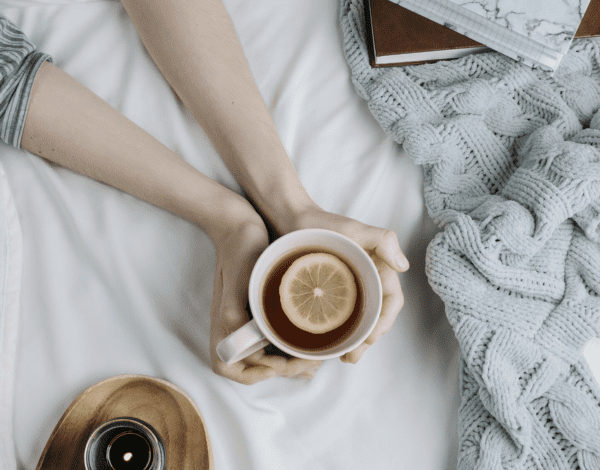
x=242, y=373
x=254, y=374
x=296, y=367
x=384, y=243
x=285, y=367
x=306, y=375
x=259, y=366
x=250, y=370
x=392, y=303
x=354, y=356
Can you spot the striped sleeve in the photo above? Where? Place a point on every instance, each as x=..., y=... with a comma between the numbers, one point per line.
x=19, y=63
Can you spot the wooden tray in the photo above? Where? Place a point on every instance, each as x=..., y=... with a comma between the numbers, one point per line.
x=168, y=409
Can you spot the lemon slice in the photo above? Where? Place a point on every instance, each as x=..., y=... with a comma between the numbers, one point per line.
x=318, y=292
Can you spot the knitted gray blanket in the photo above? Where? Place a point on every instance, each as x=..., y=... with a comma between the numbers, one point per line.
x=511, y=158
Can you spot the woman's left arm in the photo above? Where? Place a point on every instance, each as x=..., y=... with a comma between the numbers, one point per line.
x=195, y=46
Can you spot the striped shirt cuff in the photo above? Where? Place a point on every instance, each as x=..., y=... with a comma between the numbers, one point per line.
x=19, y=64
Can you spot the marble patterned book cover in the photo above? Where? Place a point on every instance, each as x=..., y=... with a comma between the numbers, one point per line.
x=535, y=32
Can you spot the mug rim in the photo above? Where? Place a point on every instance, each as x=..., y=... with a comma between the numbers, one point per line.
x=259, y=316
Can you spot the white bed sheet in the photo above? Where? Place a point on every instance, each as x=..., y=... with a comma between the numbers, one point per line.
x=112, y=285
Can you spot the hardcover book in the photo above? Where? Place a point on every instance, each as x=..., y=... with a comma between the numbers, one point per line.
x=397, y=36
x=535, y=32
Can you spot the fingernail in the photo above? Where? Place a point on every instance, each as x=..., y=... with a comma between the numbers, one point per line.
x=402, y=262
x=306, y=375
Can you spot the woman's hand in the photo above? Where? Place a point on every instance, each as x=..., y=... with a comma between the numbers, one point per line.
x=381, y=244
x=237, y=251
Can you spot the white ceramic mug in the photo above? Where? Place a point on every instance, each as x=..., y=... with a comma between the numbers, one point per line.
x=256, y=334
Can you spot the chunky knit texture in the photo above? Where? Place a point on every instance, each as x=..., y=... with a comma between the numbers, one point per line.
x=511, y=158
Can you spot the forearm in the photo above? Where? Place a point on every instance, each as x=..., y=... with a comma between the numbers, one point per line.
x=69, y=125
x=196, y=48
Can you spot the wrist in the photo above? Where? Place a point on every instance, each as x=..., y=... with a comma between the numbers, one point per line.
x=206, y=203
x=283, y=202
x=261, y=165
x=231, y=213
x=235, y=214
x=239, y=217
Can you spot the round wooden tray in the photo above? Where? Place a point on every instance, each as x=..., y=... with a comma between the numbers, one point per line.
x=167, y=408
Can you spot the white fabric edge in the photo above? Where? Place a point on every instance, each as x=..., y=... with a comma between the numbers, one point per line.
x=9, y=318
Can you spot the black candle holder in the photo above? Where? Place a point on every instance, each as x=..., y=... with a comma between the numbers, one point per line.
x=124, y=444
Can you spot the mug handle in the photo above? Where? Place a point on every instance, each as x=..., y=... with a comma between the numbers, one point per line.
x=241, y=343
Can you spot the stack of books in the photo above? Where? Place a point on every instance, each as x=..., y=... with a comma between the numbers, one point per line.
x=406, y=32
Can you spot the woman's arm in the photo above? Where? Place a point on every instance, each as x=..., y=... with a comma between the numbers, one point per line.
x=68, y=124
x=195, y=46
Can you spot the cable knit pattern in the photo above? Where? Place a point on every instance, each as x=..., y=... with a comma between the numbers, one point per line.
x=511, y=158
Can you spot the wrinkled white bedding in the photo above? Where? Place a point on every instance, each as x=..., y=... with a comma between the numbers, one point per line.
x=112, y=285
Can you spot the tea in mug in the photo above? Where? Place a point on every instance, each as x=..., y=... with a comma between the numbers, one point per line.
x=280, y=324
